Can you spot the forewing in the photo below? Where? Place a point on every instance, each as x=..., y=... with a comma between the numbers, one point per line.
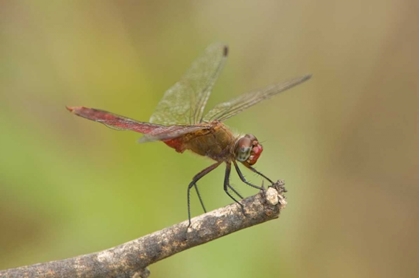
x=230, y=108
x=184, y=102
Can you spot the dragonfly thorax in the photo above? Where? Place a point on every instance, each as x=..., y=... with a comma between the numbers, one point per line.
x=247, y=149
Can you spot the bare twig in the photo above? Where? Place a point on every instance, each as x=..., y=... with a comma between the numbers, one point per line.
x=132, y=258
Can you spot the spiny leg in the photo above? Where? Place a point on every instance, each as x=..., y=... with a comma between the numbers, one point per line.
x=227, y=185
x=193, y=183
x=259, y=173
x=199, y=197
x=235, y=191
x=242, y=177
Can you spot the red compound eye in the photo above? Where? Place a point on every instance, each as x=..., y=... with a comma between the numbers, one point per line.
x=255, y=153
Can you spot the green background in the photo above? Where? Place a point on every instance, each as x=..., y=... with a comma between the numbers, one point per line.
x=345, y=142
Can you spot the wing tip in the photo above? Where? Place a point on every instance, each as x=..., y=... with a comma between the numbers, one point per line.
x=307, y=76
x=219, y=46
x=71, y=108
x=225, y=50
x=76, y=109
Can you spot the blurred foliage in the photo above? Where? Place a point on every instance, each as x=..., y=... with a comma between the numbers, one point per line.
x=346, y=142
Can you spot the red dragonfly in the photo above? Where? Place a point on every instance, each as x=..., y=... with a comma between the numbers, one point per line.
x=178, y=120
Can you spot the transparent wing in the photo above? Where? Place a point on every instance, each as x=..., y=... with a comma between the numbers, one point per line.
x=230, y=108
x=169, y=132
x=152, y=132
x=184, y=102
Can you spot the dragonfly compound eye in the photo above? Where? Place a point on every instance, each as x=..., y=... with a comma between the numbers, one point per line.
x=248, y=149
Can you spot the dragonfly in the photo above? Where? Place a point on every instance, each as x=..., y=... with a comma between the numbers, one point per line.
x=178, y=121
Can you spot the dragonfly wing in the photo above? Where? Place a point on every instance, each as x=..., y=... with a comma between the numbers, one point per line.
x=169, y=132
x=152, y=132
x=184, y=102
x=230, y=108
x=113, y=120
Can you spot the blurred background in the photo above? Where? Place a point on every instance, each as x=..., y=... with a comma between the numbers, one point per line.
x=345, y=142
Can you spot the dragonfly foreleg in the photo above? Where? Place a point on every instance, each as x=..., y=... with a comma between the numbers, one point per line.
x=242, y=177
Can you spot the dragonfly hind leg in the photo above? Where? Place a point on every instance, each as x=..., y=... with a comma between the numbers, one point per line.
x=193, y=183
x=199, y=197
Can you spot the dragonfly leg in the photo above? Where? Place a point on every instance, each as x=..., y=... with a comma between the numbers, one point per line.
x=259, y=173
x=199, y=197
x=193, y=183
x=242, y=177
x=235, y=191
x=226, y=186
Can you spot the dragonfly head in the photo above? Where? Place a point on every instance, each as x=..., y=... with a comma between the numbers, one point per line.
x=247, y=149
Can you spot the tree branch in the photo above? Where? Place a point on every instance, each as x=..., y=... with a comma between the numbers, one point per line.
x=132, y=258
